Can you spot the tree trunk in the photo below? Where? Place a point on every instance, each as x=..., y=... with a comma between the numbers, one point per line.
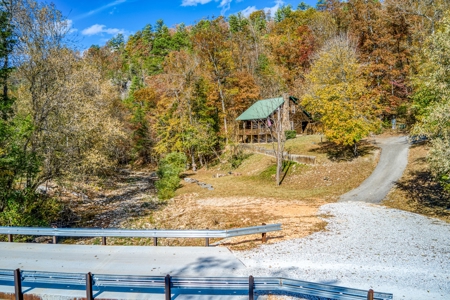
x=224, y=112
x=279, y=150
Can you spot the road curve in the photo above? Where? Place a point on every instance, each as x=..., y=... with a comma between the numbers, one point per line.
x=392, y=163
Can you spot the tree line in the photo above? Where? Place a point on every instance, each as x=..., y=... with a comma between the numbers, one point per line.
x=355, y=65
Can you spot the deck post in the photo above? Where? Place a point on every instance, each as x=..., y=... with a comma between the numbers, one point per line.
x=89, y=293
x=264, y=235
x=370, y=295
x=18, y=285
x=251, y=287
x=167, y=290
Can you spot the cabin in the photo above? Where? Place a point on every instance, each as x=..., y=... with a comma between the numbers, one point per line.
x=256, y=124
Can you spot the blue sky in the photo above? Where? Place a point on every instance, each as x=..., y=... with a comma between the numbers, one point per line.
x=96, y=21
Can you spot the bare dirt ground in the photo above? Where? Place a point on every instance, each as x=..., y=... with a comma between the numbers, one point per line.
x=191, y=212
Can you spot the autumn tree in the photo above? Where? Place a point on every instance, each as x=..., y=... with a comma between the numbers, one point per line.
x=212, y=43
x=381, y=34
x=337, y=94
x=432, y=98
x=187, y=122
x=72, y=108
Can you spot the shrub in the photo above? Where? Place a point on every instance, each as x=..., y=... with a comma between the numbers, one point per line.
x=29, y=210
x=168, y=172
x=237, y=159
x=290, y=134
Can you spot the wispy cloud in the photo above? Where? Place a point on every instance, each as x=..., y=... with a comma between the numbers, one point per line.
x=248, y=11
x=98, y=29
x=224, y=4
x=99, y=9
x=194, y=2
x=268, y=10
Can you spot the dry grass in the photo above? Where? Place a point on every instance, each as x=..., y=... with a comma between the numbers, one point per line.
x=190, y=212
x=417, y=191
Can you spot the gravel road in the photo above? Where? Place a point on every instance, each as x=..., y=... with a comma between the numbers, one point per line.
x=365, y=246
x=392, y=163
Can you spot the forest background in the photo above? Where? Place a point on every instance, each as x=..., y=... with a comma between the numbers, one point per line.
x=68, y=115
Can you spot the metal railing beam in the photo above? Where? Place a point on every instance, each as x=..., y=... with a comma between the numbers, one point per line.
x=144, y=233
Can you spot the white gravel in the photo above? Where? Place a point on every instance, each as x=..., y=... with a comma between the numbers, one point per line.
x=365, y=246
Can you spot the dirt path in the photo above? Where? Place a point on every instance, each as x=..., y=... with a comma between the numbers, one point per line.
x=392, y=163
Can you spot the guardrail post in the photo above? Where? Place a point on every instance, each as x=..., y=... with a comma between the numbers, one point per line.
x=89, y=294
x=167, y=290
x=103, y=240
x=18, y=285
x=370, y=295
x=207, y=240
x=55, y=239
x=264, y=235
x=155, y=240
x=251, y=287
x=10, y=238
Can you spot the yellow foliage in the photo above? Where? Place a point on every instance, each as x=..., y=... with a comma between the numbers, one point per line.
x=337, y=94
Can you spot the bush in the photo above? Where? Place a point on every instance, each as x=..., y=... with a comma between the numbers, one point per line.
x=290, y=134
x=29, y=210
x=168, y=172
x=237, y=159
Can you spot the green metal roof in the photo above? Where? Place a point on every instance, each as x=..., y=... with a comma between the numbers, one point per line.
x=261, y=109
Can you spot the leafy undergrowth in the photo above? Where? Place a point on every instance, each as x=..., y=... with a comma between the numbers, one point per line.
x=417, y=191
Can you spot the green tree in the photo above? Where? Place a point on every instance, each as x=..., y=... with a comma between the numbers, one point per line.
x=169, y=171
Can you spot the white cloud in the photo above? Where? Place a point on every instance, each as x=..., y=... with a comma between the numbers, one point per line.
x=224, y=4
x=194, y=2
x=101, y=29
x=69, y=26
x=271, y=10
x=268, y=10
x=97, y=10
x=248, y=11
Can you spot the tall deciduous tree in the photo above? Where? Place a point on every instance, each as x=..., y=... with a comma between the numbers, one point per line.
x=337, y=94
x=211, y=40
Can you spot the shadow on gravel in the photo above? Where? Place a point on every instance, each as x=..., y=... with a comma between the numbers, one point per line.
x=344, y=153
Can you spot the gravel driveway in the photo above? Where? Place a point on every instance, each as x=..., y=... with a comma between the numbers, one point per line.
x=365, y=246
x=392, y=163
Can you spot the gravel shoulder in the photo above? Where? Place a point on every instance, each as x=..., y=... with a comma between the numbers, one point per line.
x=365, y=246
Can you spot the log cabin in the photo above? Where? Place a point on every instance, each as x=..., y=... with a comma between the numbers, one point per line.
x=256, y=124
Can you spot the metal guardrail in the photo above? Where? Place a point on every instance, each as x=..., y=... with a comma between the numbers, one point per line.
x=169, y=285
x=143, y=233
